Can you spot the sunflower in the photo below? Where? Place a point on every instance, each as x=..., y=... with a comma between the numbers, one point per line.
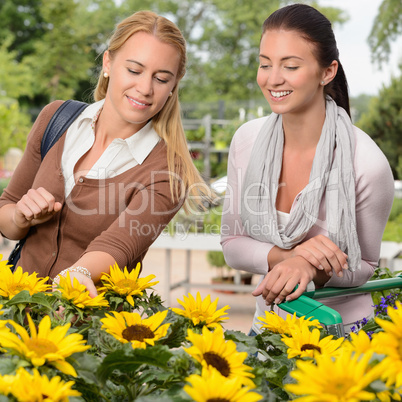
x=360, y=342
x=36, y=388
x=298, y=323
x=389, y=396
x=126, y=283
x=201, y=311
x=213, y=386
x=45, y=345
x=308, y=344
x=342, y=379
x=3, y=263
x=130, y=327
x=14, y=283
x=274, y=323
x=389, y=343
x=78, y=294
x=211, y=349
x=6, y=384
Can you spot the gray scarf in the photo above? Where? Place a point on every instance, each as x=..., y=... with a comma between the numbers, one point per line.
x=332, y=176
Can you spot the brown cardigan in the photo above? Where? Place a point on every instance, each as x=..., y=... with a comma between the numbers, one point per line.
x=121, y=216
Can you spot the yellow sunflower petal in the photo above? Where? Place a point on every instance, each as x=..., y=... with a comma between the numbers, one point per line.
x=130, y=327
x=212, y=386
x=201, y=311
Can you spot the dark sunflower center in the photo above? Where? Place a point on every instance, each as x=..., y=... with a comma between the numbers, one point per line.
x=309, y=346
x=218, y=400
x=220, y=364
x=137, y=333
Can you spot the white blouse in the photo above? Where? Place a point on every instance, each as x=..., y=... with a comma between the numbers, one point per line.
x=119, y=156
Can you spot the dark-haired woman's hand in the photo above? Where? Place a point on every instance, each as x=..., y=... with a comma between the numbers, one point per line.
x=279, y=283
x=323, y=254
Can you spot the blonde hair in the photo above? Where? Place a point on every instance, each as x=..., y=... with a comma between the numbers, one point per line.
x=185, y=179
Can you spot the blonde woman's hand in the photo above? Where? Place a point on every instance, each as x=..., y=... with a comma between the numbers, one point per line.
x=83, y=280
x=35, y=207
x=323, y=254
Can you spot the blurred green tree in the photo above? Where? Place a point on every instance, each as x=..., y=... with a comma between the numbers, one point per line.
x=386, y=28
x=15, y=125
x=60, y=40
x=15, y=77
x=383, y=122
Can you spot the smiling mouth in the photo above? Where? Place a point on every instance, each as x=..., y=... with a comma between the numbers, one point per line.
x=138, y=102
x=279, y=94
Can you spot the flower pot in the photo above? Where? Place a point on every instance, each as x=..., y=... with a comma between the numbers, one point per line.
x=219, y=145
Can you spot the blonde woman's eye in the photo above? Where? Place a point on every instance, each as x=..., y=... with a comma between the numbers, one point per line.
x=133, y=71
x=264, y=66
x=162, y=81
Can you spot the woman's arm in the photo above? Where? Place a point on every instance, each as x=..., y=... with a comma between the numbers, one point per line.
x=130, y=235
x=241, y=251
x=35, y=207
x=13, y=224
x=374, y=197
x=96, y=263
x=245, y=253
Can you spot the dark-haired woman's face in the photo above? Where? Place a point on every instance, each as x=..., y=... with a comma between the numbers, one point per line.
x=289, y=74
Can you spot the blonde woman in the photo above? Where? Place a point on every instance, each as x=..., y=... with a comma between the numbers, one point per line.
x=108, y=187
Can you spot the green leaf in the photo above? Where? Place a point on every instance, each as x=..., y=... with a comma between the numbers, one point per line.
x=43, y=300
x=175, y=397
x=86, y=366
x=177, y=331
x=8, y=366
x=21, y=298
x=126, y=360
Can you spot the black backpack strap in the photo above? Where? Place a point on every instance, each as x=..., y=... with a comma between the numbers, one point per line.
x=59, y=123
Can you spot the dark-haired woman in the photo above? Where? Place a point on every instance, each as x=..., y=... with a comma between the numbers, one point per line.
x=308, y=193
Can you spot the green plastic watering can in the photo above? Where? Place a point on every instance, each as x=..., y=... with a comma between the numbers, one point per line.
x=308, y=306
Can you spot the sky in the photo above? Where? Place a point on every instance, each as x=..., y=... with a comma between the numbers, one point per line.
x=354, y=52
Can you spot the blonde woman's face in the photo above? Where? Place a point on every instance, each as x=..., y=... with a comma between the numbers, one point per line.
x=142, y=73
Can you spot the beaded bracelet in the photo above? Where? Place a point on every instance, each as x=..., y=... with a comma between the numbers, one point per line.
x=81, y=270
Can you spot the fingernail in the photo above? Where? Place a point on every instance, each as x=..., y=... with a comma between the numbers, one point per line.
x=346, y=266
x=277, y=300
x=340, y=274
x=320, y=267
x=330, y=273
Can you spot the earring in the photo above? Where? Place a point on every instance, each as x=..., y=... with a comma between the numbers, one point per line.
x=322, y=82
x=171, y=93
x=106, y=75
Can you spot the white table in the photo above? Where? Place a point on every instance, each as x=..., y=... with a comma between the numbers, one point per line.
x=189, y=242
x=389, y=253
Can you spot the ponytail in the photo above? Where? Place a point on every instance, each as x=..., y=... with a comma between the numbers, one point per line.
x=338, y=89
